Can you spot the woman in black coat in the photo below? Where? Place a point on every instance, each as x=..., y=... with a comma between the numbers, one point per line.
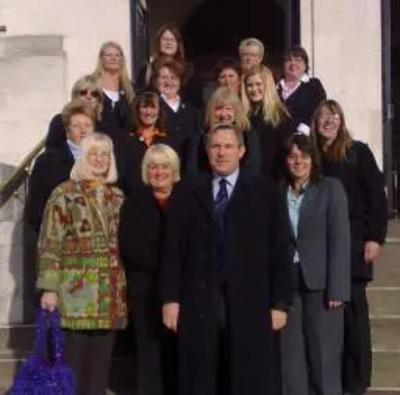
x=141, y=236
x=354, y=164
x=300, y=92
x=169, y=45
x=268, y=117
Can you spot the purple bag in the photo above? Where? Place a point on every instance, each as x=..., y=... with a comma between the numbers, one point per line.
x=44, y=373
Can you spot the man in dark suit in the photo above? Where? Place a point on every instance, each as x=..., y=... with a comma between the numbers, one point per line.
x=225, y=280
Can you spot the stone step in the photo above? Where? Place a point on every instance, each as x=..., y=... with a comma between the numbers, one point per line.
x=385, y=333
x=386, y=372
x=384, y=302
x=387, y=266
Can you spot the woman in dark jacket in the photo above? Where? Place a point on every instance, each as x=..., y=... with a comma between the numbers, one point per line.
x=169, y=45
x=300, y=92
x=354, y=164
x=142, y=219
x=268, y=117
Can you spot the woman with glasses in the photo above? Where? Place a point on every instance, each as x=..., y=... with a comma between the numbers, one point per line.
x=353, y=163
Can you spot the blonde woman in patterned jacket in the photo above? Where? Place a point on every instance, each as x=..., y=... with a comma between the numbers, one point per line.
x=79, y=268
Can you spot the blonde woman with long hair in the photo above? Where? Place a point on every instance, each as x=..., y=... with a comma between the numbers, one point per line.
x=112, y=75
x=225, y=107
x=268, y=117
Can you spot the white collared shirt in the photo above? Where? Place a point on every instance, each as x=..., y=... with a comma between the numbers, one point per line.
x=173, y=104
x=230, y=183
x=286, y=91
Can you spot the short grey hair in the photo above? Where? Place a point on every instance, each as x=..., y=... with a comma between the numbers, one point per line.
x=100, y=141
x=161, y=154
x=224, y=126
x=252, y=42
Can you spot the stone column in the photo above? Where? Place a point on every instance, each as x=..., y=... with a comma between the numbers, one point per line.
x=343, y=39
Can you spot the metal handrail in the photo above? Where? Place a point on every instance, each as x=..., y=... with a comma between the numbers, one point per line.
x=20, y=174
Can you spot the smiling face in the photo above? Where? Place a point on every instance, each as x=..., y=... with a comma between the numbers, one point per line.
x=230, y=78
x=328, y=125
x=161, y=175
x=224, y=113
x=299, y=165
x=90, y=96
x=294, y=67
x=78, y=127
x=250, y=56
x=167, y=82
x=98, y=162
x=224, y=152
x=112, y=59
x=148, y=114
x=168, y=44
x=255, y=88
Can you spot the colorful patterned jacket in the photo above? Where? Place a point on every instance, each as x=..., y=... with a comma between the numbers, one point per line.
x=78, y=255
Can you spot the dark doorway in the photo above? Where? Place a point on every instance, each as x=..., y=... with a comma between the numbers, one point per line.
x=216, y=28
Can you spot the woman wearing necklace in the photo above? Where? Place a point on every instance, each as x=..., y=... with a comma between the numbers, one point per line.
x=312, y=341
x=300, y=92
x=142, y=219
x=80, y=272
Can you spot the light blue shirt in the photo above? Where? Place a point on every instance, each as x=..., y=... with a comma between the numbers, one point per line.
x=294, y=202
x=230, y=183
x=74, y=148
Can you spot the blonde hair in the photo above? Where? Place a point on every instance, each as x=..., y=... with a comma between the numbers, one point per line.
x=252, y=42
x=225, y=96
x=97, y=141
x=124, y=79
x=89, y=82
x=77, y=107
x=160, y=154
x=272, y=108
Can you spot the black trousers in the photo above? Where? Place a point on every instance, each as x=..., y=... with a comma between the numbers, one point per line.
x=357, y=355
x=89, y=355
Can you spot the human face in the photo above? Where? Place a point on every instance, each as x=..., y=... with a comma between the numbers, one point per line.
x=230, y=78
x=148, y=114
x=250, y=56
x=294, y=67
x=168, y=44
x=168, y=83
x=98, y=162
x=328, y=124
x=89, y=96
x=224, y=152
x=299, y=165
x=255, y=88
x=112, y=59
x=224, y=114
x=79, y=126
x=161, y=176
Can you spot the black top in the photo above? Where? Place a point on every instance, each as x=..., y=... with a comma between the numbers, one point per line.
x=304, y=101
x=365, y=189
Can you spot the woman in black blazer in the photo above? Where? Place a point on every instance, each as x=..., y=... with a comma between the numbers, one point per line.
x=140, y=240
x=169, y=45
x=312, y=341
x=354, y=164
x=268, y=117
x=300, y=92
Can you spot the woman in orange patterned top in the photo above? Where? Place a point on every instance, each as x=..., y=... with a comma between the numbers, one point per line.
x=80, y=272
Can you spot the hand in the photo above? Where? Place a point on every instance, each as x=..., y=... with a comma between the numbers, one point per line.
x=49, y=301
x=371, y=251
x=170, y=313
x=279, y=319
x=334, y=304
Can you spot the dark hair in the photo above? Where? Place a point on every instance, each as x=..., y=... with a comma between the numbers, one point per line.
x=227, y=63
x=297, y=52
x=148, y=99
x=306, y=146
x=180, y=54
x=225, y=126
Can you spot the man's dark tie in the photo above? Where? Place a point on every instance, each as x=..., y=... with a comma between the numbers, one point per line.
x=220, y=204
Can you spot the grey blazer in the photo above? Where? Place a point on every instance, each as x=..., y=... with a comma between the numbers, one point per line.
x=323, y=239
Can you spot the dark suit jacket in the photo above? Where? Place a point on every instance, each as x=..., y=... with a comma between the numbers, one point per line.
x=323, y=239
x=258, y=279
x=368, y=212
x=303, y=102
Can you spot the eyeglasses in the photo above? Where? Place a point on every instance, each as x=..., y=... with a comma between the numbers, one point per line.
x=85, y=92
